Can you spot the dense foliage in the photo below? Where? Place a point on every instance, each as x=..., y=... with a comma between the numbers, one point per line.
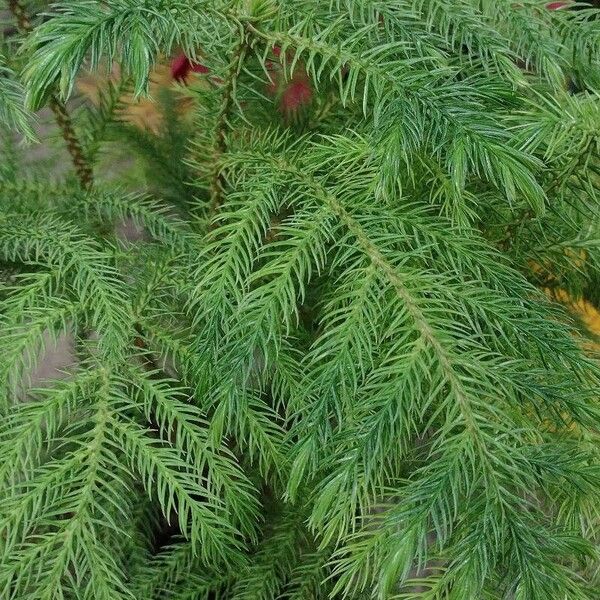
x=326, y=365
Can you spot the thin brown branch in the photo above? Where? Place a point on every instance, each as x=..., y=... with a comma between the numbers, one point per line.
x=217, y=183
x=80, y=163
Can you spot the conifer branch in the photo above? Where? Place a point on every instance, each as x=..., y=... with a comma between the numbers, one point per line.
x=223, y=117
x=334, y=383
x=82, y=167
x=58, y=108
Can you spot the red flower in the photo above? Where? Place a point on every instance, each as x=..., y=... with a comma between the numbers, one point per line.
x=297, y=94
x=182, y=66
x=556, y=5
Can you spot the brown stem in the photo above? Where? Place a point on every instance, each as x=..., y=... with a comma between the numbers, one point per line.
x=217, y=184
x=23, y=21
x=82, y=167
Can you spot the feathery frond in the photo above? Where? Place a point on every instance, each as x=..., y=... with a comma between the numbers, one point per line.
x=314, y=350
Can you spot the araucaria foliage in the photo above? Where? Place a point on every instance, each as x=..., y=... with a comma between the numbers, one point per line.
x=328, y=363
